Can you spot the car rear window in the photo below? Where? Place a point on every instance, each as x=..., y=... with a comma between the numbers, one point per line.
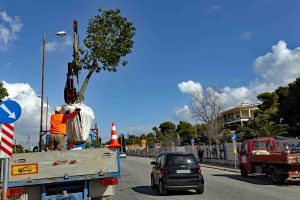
x=179, y=159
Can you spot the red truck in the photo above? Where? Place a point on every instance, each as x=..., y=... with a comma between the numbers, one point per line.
x=262, y=156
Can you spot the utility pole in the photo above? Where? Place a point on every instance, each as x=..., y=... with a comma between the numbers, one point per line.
x=121, y=143
x=42, y=95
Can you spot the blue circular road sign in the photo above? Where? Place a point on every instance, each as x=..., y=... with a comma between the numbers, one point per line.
x=10, y=111
x=234, y=137
x=192, y=140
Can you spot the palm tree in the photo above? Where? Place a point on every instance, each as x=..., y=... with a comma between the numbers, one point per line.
x=271, y=129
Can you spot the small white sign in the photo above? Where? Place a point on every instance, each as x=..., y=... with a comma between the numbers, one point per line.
x=244, y=159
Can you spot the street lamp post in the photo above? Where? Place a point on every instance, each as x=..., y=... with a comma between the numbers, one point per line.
x=44, y=131
x=60, y=33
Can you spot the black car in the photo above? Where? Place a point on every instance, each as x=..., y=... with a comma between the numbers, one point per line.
x=176, y=171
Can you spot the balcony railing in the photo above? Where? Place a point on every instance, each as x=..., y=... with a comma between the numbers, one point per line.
x=237, y=119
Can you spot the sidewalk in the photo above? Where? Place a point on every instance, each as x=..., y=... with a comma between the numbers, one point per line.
x=220, y=167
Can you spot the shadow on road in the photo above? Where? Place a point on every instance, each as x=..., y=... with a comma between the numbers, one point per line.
x=257, y=180
x=145, y=190
x=151, y=192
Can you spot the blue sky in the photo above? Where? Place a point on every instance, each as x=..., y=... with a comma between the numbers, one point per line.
x=240, y=47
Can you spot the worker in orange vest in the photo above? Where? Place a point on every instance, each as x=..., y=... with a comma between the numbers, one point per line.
x=57, y=139
x=58, y=121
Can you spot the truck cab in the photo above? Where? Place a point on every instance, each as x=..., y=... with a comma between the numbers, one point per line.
x=256, y=146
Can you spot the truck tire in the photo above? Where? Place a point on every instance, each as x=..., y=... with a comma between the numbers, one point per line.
x=277, y=178
x=244, y=172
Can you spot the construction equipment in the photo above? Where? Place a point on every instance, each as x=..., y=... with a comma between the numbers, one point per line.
x=70, y=93
x=72, y=174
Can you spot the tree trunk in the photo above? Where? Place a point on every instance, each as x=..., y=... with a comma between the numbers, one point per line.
x=80, y=96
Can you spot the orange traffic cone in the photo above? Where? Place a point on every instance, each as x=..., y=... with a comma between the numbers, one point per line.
x=114, y=138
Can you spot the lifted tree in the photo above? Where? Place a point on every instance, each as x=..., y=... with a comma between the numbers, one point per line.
x=3, y=92
x=109, y=39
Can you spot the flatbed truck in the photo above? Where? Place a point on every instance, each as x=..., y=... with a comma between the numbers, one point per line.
x=262, y=156
x=86, y=174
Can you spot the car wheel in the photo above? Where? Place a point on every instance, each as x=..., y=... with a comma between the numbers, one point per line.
x=161, y=189
x=152, y=182
x=200, y=190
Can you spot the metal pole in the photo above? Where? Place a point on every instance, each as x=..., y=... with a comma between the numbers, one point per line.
x=47, y=116
x=5, y=177
x=121, y=144
x=234, y=161
x=42, y=97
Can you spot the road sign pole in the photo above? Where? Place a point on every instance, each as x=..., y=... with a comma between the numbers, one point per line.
x=234, y=161
x=5, y=177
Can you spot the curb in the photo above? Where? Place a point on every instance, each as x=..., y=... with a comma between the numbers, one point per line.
x=220, y=168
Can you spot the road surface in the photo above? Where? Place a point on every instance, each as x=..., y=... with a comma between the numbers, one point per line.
x=219, y=185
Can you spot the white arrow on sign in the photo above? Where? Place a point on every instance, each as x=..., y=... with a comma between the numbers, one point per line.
x=10, y=114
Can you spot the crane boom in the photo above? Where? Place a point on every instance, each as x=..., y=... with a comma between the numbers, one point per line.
x=70, y=93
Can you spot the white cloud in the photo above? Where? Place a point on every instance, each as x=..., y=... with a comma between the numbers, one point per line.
x=280, y=66
x=55, y=44
x=183, y=114
x=9, y=27
x=190, y=87
x=277, y=68
x=29, y=122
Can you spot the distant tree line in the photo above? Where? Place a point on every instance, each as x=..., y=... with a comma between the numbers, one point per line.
x=278, y=115
x=168, y=132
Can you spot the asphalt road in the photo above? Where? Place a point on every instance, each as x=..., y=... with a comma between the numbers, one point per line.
x=219, y=185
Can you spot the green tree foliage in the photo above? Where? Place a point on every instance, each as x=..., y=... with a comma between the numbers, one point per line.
x=186, y=131
x=201, y=132
x=167, y=127
x=3, y=92
x=143, y=137
x=133, y=139
x=280, y=106
x=271, y=129
x=108, y=40
x=18, y=148
x=269, y=106
x=121, y=140
x=157, y=133
x=290, y=110
x=244, y=133
x=167, y=130
x=282, y=93
x=150, y=139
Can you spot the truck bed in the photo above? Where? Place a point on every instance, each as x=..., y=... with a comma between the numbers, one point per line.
x=278, y=157
x=56, y=166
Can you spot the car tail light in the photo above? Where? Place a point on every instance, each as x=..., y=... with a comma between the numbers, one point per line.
x=109, y=181
x=165, y=171
x=13, y=192
x=199, y=169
